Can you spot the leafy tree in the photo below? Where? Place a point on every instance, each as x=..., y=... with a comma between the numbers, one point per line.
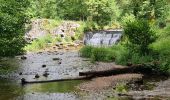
x=12, y=23
x=149, y=9
x=43, y=9
x=102, y=11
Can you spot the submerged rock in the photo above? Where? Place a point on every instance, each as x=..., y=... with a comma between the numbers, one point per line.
x=20, y=73
x=59, y=62
x=23, y=58
x=43, y=66
x=45, y=74
x=37, y=76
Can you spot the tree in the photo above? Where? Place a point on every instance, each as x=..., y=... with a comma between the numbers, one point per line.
x=149, y=9
x=12, y=25
x=102, y=11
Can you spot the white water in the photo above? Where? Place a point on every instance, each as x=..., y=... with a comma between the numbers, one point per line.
x=103, y=38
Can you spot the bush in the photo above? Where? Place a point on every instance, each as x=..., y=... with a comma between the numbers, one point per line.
x=140, y=35
x=103, y=53
x=86, y=51
x=162, y=47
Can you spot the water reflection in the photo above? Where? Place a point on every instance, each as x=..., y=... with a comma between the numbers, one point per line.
x=10, y=90
x=59, y=87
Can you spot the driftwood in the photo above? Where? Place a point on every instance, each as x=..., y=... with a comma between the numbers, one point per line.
x=133, y=69
x=24, y=81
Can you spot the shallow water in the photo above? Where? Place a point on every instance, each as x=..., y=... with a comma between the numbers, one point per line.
x=13, y=90
x=71, y=65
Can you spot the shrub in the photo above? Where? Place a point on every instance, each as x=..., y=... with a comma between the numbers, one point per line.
x=102, y=54
x=86, y=51
x=140, y=35
x=98, y=53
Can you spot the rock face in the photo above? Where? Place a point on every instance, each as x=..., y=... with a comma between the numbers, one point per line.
x=102, y=38
x=37, y=29
x=66, y=28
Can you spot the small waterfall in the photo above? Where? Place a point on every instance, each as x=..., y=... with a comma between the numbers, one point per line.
x=102, y=38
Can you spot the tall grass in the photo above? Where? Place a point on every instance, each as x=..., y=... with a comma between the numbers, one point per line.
x=106, y=54
x=40, y=43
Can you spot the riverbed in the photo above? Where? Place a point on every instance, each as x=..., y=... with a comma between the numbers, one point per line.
x=59, y=65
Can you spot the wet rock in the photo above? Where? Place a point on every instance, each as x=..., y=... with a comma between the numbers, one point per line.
x=61, y=44
x=45, y=74
x=37, y=76
x=54, y=47
x=23, y=81
x=56, y=58
x=20, y=73
x=61, y=53
x=60, y=47
x=23, y=58
x=43, y=66
x=67, y=48
x=59, y=62
x=57, y=45
x=39, y=52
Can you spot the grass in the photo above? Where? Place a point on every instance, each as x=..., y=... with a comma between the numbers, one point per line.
x=106, y=54
x=121, y=88
x=40, y=43
x=49, y=24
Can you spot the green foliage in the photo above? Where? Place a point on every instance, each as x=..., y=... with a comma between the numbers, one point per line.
x=140, y=35
x=12, y=25
x=47, y=41
x=39, y=44
x=102, y=54
x=50, y=24
x=43, y=9
x=149, y=9
x=115, y=53
x=86, y=51
x=162, y=47
x=121, y=88
x=103, y=11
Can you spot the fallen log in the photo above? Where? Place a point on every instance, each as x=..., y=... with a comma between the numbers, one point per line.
x=24, y=81
x=139, y=68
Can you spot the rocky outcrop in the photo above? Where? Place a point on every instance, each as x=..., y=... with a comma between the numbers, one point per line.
x=66, y=28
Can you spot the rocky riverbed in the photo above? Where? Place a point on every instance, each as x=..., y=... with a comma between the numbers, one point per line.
x=50, y=65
